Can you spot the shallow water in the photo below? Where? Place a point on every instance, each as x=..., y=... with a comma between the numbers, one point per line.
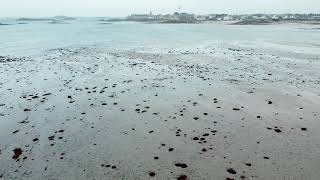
x=34, y=37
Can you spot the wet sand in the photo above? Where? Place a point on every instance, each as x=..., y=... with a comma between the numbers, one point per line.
x=215, y=112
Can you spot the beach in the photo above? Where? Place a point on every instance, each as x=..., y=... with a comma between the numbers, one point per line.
x=215, y=109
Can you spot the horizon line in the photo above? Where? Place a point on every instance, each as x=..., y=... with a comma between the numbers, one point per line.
x=87, y=16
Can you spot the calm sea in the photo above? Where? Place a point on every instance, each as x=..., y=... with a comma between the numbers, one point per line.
x=35, y=37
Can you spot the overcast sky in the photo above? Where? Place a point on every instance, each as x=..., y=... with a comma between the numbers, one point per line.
x=30, y=8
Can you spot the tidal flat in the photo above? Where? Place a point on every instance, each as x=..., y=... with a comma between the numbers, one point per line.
x=219, y=111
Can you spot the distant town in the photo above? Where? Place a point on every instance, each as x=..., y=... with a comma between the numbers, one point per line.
x=235, y=19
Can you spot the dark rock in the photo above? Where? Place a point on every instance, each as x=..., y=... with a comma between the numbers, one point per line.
x=17, y=152
x=231, y=171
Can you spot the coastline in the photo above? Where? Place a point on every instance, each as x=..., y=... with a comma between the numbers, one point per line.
x=235, y=22
x=65, y=19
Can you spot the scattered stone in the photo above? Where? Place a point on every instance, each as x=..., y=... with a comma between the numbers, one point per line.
x=51, y=138
x=17, y=152
x=152, y=174
x=181, y=165
x=277, y=130
x=182, y=177
x=231, y=171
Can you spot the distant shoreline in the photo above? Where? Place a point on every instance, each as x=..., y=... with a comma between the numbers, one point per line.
x=184, y=18
x=264, y=22
x=245, y=19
